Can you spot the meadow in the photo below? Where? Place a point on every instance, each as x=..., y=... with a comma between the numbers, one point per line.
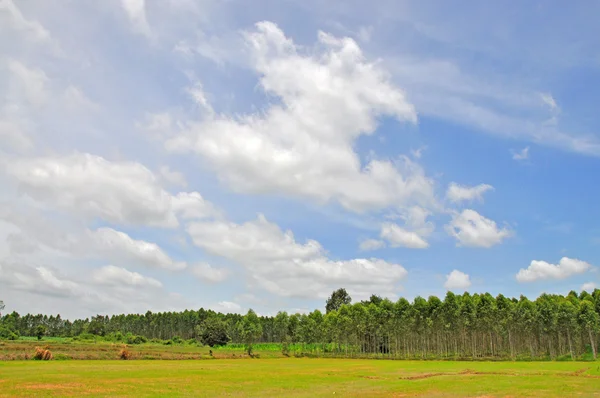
x=92, y=369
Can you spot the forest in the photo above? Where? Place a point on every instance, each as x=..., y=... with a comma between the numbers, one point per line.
x=467, y=326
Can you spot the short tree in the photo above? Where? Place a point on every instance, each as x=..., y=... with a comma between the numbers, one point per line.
x=213, y=332
x=40, y=331
x=250, y=330
x=337, y=299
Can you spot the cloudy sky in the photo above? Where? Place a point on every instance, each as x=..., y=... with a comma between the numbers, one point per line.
x=180, y=154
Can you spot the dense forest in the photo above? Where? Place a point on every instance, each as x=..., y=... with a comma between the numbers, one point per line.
x=467, y=326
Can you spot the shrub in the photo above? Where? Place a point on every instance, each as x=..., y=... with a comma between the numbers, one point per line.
x=8, y=333
x=177, y=340
x=132, y=339
x=42, y=354
x=85, y=336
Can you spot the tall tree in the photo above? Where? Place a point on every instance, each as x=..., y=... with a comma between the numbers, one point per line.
x=337, y=299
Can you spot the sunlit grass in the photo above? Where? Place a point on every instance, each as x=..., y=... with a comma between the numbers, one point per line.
x=298, y=377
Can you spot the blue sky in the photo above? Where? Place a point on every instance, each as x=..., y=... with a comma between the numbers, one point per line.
x=167, y=155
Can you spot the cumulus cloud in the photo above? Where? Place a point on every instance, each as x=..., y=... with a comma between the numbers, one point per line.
x=589, y=286
x=371, y=244
x=457, y=280
x=208, y=273
x=302, y=145
x=13, y=18
x=172, y=177
x=523, y=154
x=541, y=270
x=93, y=187
x=470, y=228
x=136, y=11
x=119, y=246
x=108, y=289
x=276, y=262
x=460, y=193
x=111, y=275
x=227, y=307
x=398, y=236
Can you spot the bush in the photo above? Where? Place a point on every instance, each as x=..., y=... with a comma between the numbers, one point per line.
x=177, y=340
x=85, y=336
x=132, y=339
x=42, y=354
x=8, y=334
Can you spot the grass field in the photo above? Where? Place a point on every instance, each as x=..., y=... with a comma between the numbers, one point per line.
x=91, y=369
x=298, y=377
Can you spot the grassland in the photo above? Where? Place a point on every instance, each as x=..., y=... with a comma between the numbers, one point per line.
x=298, y=377
x=201, y=374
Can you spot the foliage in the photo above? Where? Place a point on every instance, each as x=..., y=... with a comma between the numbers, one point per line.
x=8, y=334
x=337, y=299
x=213, y=332
x=40, y=331
x=467, y=326
x=135, y=339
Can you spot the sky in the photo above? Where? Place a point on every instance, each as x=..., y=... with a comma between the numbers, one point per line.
x=175, y=154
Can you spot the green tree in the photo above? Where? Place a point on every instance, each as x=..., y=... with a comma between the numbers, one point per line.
x=213, y=332
x=250, y=330
x=337, y=299
x=40, y=331
x=588, y=320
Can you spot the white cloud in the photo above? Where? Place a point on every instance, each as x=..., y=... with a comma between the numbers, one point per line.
x=460, y=193
x=418, y=153
x=92, y=187
x=37, y=232
x=364, y=33
x=111, y=275
x=172, y=177
x=80, y=294
x=136, y=11
x=523, y=154
x=29, y=85
x=191, y=205
x=398, y=236
x=549, y=100
x=118, y=246
x=470, y=228
x=371, y=244
x=11, y=16
x=589, y=286
x=208, y=273
x=456, y=280
x=541, y=270
x=303, y=145
x=227, y=307
x=280, y=265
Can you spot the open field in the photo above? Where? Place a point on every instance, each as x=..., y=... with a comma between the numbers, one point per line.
x=299, y=377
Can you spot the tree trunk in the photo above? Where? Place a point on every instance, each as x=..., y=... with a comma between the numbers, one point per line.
x=592, y=342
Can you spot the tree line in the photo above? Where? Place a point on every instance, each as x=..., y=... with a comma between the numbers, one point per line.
x=467, y=326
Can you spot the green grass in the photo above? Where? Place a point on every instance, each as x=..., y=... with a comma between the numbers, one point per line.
x=298, y=377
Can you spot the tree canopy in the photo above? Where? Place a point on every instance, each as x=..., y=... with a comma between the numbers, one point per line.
x=467, y=326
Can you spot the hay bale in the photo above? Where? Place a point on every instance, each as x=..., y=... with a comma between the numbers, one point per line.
x=124, y=354
x=42, y=354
